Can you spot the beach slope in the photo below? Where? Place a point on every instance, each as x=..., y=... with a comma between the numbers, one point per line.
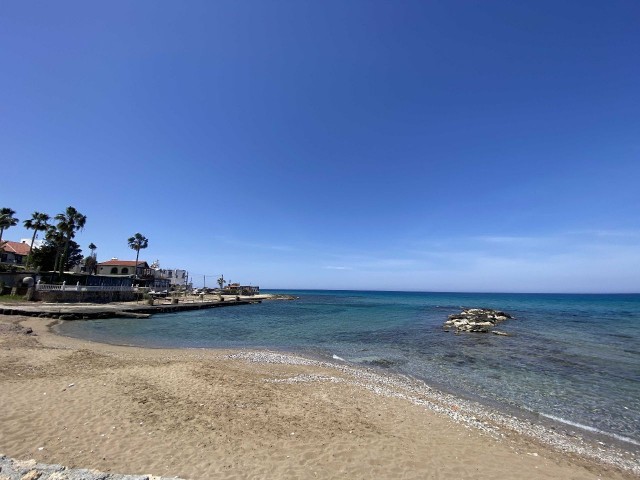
x=200, y=414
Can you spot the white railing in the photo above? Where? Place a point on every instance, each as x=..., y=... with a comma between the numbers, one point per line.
x=47, y=287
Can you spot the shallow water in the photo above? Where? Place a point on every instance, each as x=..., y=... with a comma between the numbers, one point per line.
x=572, y=358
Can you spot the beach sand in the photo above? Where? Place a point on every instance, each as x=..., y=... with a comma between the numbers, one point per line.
x=200, y=414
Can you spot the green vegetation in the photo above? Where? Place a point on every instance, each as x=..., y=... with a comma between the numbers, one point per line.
x=138, y=242
x=91, y=262
x=59, y=251
x=37, y=222
x=69, y=223
x=7, y=220
x=48, y=256
x=11, y=298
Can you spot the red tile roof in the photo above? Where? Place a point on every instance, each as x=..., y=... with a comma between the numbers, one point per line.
x=18, y=248
x=124, y=263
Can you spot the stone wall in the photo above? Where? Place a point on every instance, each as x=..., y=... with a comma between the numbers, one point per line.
x=14, y=279
x=73, y=296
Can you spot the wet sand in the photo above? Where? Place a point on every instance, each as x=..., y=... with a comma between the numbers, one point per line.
x=201, y=414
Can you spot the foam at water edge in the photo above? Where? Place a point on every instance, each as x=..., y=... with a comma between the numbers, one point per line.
x=591, y=429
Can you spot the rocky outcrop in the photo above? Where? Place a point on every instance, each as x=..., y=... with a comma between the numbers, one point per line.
x=7, y=328
x=281, y=296
x=480, y=320
x=11, y=469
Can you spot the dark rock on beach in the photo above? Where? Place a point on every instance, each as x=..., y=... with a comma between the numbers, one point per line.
x=480, y=320
x=6, y=328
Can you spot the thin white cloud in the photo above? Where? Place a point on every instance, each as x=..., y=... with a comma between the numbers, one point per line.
x=594, y=261
x=512, y=240
x=620, y=234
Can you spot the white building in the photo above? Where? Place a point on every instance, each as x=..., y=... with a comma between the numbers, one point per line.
x=176, y=277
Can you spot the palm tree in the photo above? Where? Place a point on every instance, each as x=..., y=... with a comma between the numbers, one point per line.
x=7, y=220
x=91, y=261
x=55, y=237
x=69, y=223
x=138, y=242
x=37, y=222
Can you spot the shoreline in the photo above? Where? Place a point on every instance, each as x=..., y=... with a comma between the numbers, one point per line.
x=569, y=431
x=548, y=424
x=293, y=377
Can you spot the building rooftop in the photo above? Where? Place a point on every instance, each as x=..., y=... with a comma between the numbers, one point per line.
x=18, y=248
x=123, y=263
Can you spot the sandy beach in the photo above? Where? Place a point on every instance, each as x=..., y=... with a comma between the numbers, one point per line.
x=200, y=414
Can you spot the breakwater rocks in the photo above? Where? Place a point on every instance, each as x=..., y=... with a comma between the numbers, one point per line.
x=11, y=469
x=281, y=296
x=479, y=320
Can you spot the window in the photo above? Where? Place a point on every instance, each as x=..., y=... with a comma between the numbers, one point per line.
x=114, y=270
x=124, y=270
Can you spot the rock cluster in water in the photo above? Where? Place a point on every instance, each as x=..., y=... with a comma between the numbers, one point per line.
x=481, y=320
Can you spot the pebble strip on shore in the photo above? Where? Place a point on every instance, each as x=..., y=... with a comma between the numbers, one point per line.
x=470, y=414
x=11, y=469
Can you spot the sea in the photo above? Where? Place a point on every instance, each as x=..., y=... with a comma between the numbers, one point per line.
x=569, y=360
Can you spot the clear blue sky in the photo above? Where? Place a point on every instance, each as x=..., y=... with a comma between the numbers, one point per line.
x=430, y=145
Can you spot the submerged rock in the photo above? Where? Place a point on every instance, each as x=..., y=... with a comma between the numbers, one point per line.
x=480, y=320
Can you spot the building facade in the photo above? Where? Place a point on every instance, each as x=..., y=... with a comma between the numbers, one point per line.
x=125, y=267
x=14, y=253
x=176, y=277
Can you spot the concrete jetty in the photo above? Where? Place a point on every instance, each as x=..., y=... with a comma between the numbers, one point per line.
x=87, y=311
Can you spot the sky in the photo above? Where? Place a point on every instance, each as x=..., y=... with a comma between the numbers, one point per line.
x=374, y=145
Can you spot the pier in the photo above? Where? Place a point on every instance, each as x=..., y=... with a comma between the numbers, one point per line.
x=88, y=311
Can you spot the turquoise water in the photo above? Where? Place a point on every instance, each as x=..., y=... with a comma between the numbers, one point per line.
x=573, y=358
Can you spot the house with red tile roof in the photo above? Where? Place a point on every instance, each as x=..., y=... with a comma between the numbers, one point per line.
x=146, y=276
x=124, y=267
x=15, y=253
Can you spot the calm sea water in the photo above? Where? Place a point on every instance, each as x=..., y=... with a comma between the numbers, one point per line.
x=573, y=358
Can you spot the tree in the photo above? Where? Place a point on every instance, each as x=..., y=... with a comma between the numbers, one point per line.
x=47, y=257
x=69, y=223
x=37, y=223
x=221, y=281
x=54, y=238
x=7, y=220
x=138, y=242
x=91, y=264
